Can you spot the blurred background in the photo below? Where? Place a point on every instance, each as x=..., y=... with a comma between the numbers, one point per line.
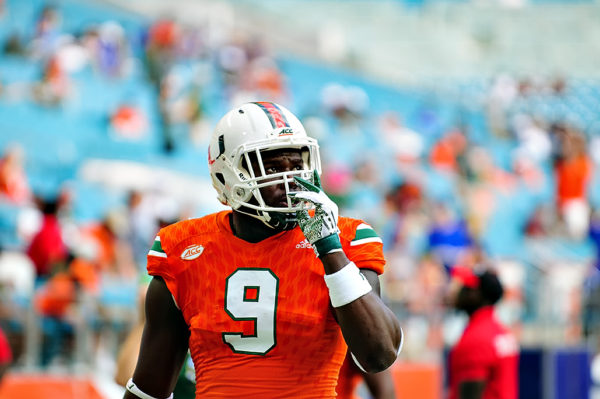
x=464, y=131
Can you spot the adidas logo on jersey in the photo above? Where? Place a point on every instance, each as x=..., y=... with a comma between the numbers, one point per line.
x=192, y=252
x=304, y=244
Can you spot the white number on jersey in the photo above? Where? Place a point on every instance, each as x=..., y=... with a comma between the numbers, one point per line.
x=251, y=294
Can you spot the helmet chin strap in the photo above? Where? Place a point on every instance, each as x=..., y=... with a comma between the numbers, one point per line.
x=275, y=220
x=280, y=220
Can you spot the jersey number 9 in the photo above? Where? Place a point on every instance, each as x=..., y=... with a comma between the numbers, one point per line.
x=251, y=294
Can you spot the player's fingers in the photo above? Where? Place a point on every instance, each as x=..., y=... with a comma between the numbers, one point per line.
x=309, y=196
x=302, y=215
x=306, y=184
x=317, y=179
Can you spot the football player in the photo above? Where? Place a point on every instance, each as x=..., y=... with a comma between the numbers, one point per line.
x=271, y=294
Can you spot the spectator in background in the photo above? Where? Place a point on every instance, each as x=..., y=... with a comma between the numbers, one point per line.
x=533, y=138
x=484, y=362
x=14, y=45
x=573, y=171
x=161, y=54
x=161, y=47
x=129, y=122
x=266, y=80
x=47, y=248
x=47, y=32
x=380, y=385
x=446, y=152
x=232, y=61
x=403, y=218
x=407, y=146
x=502, y=94
x=448, y=235
x=112, y=49
x=13, y=181
x=423, y=291
x=55, y=301
x=591, y=285
x=112, y=255
x=5, y=355
x=142, y=226
x=55, y=86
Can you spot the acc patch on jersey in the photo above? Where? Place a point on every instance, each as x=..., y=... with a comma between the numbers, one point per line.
x=192, y=252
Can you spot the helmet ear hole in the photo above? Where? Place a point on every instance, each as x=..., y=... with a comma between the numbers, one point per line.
x=220, y=178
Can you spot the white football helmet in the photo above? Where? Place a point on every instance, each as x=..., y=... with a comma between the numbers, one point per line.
x=251, y=129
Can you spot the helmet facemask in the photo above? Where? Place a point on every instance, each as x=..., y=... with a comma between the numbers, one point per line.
x=254, y=177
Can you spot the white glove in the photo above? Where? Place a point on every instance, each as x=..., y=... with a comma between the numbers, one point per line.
x=321, y=230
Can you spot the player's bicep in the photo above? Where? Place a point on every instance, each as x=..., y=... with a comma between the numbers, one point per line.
x=164, y=342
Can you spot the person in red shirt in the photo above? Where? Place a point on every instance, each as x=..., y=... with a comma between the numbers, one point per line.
x=5, y=354
x=47, y=248
x=484, y=362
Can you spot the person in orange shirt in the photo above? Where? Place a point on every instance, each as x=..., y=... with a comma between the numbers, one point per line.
x=380, y=385
x=573, y=172
x=268, y=296
x=13, y=180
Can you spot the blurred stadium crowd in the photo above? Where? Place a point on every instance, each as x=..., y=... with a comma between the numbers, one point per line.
x=105, y=118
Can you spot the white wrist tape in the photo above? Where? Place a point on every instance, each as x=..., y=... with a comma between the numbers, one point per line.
x=131, y=387
x=346, y=285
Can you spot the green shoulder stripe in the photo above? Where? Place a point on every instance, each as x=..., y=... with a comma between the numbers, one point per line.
x=364, y=231
x=157, y=247
x=365, y=234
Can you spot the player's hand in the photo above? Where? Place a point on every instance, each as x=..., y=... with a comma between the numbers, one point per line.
x=321, y=230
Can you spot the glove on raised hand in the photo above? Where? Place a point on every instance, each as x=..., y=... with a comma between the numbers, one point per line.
x=321, y=230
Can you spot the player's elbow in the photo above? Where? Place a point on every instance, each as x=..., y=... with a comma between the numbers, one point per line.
x=386, y=355
x=380, y=359
x=379, y=363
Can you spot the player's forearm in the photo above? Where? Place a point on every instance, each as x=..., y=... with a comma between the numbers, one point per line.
x=371, y=331
x=381, y=385
x=163, y=347
x=370, y=328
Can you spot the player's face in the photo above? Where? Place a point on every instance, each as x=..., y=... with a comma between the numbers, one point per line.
x=279, y=161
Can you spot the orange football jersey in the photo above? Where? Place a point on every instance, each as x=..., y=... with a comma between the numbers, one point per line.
x=349, y=379
x=259, y=314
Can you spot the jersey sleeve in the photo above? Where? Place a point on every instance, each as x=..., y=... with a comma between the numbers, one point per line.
x=362, y=245
x=160, y=263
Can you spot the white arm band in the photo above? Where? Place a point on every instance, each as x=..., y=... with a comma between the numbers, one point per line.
x=346, y=285
x=131, y=387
